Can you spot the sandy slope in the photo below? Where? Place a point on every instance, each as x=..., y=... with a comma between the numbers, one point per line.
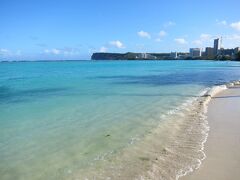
x=223, y=145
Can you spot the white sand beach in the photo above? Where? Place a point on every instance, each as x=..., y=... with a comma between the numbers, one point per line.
x=223, y=145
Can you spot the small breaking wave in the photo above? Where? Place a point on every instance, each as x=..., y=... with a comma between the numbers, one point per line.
x=208, y=96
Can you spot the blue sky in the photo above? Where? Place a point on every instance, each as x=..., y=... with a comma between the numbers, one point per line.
x=74, y=29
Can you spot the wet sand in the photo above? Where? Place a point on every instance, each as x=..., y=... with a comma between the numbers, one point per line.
x=223, y=145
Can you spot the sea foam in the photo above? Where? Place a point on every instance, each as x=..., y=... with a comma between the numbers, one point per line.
x=208, y=96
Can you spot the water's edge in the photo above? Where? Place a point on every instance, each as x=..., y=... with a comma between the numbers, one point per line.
x=179, y=152
x=208, y=96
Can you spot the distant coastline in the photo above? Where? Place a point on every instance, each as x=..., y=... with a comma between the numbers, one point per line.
x=159, y=56
x=217, y=52
x=27, y=61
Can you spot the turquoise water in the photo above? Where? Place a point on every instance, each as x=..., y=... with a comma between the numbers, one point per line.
x=57, y=118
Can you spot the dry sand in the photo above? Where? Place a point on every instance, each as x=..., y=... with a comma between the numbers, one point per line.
x=223, y=145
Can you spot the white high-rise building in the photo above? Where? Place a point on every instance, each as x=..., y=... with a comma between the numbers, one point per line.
x=174, y=55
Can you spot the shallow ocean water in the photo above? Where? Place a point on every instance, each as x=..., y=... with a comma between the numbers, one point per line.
x=61, y=118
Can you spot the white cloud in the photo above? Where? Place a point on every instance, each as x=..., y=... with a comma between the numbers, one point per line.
x=169, y=23
x=18, y=52
x=203, y=38
x=234, y=37
x=162, y=33
x=52, y=51
x=231, y=41
x=223, y=22
x=4, y=51
x=158, y=39
x=7, y=53
x=103, y=49
x=144, y=34
x=67, y=51
x=236, y=25
x=56, y=51
x=117, y=44
x=198, y=42
x=180, y=41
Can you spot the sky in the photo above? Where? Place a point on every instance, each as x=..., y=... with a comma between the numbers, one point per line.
x=74, y=29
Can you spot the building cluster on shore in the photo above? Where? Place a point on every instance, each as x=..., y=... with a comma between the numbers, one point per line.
x=215, y=52
x=210, y=53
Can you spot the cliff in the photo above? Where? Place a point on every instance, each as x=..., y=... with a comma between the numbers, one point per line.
x=107, y=56
x=130, y=56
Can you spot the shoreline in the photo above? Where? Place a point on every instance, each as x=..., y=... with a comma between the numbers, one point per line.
x=180, y=152
x=220, y=107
